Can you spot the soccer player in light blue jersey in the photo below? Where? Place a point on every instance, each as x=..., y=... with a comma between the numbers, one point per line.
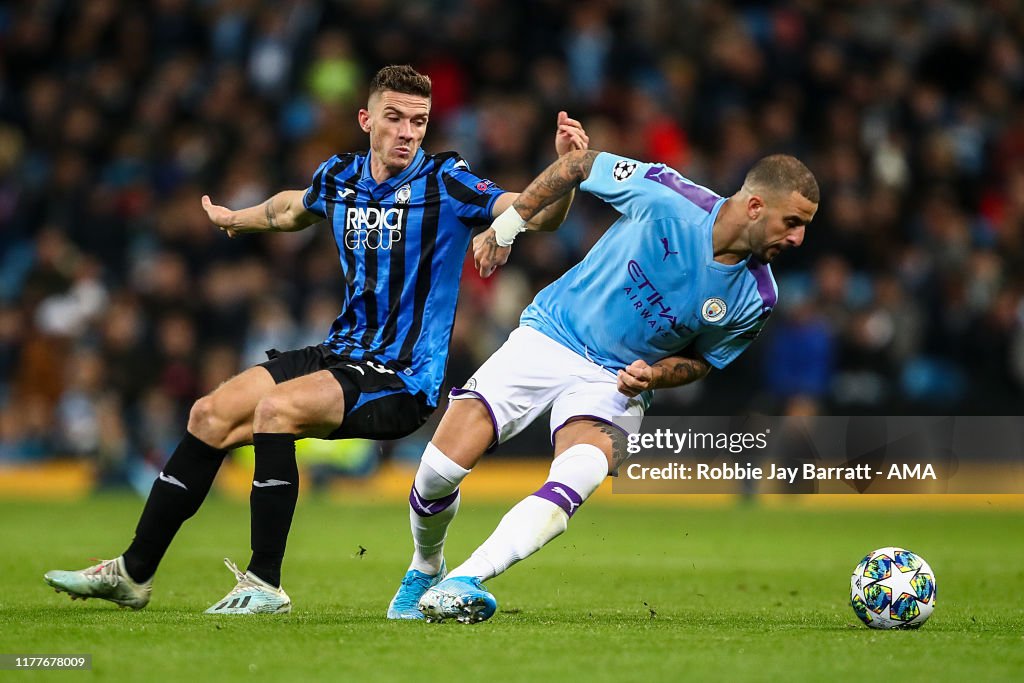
x=402, y=220
x=678, y=285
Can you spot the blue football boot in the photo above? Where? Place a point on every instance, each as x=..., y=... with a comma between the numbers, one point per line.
x=405, y=604
x=462, y=598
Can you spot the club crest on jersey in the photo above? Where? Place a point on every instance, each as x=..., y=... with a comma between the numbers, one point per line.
x=713, y=310
x=403, y=194
x=623, y=169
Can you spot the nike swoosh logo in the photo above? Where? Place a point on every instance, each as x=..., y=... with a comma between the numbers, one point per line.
x=171, y=480
x=270, y=482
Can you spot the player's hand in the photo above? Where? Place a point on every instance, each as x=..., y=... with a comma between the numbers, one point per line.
x=487, y=255
x=636, y=378
x=219, y=215
x=570, y=135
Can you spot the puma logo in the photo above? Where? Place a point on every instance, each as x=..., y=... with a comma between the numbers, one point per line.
x=560, y=491
x=668, y=252
x=421, y=504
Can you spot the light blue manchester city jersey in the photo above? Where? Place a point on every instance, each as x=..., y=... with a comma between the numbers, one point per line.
x=650, y=287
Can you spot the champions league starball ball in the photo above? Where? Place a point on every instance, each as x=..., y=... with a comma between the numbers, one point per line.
x=893, y=588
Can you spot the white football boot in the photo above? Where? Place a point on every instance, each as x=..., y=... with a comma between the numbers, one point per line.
x=251, y=595
x=107, y=580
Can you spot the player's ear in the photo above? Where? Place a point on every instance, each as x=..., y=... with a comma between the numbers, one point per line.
x=755, y=207
x=364, y=120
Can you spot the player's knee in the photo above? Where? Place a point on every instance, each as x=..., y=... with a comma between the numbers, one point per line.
x=274, y=415
x=471, y=411
x=465, y=433
x=207, y=425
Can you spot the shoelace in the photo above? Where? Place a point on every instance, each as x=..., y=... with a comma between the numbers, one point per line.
x=244, y=582
x=105, y=572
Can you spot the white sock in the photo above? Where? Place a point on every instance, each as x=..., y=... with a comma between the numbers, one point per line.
x=433, y=502
x=542, y=516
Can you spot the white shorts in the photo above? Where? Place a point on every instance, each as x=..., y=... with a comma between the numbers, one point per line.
x=532, y=373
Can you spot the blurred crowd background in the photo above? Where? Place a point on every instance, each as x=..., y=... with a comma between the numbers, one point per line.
x=120, y=304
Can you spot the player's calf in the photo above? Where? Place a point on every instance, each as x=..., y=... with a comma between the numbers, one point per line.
x=433, y=504
x=525, y=529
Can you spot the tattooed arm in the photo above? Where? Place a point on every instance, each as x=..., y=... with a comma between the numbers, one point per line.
x=556, y=181
x=547, y=219
x=284, y=212
x=674, y=371
x=543, y=205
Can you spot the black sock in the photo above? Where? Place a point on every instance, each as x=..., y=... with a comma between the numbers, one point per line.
x=275, y=488
x=176, y=495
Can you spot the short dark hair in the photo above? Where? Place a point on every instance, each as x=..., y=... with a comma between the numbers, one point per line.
x=400, y=78
x=783, y=173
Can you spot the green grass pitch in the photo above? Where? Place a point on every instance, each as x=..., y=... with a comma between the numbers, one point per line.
x=628, y=593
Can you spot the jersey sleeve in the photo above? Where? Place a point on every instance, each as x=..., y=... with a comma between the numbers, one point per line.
x=644, y=191
x=471, y=196
x=313, y=199
x=721, y=346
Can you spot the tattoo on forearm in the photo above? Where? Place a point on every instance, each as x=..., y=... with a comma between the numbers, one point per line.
x=271, y=214
x=556, y=181
x=682, y=371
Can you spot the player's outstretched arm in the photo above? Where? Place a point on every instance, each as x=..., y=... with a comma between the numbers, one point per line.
x=551, y=192
x=556, y=181
x=674, y=371
x=284, y=212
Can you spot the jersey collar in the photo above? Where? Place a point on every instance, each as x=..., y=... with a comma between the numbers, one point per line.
x=709, y=243
x=374, y=188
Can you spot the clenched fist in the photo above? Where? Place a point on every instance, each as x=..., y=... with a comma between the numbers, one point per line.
x=636, y=378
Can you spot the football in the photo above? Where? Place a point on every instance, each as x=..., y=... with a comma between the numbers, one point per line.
x=893, y=588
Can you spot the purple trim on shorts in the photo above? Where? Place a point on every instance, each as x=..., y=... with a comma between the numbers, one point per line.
x=428, y=508
x=764, y=284
x=694, y=193
x=561, y=495
x=494, y=421
x=586, y=417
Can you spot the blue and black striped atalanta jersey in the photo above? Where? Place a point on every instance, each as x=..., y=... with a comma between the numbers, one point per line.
x=401, y=244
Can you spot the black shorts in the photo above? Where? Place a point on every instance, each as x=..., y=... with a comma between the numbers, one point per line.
x=378, y=404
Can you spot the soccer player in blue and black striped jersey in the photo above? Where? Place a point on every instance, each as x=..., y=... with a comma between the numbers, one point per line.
x=402, y=220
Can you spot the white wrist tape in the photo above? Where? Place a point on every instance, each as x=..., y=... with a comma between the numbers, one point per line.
x=507, y=226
